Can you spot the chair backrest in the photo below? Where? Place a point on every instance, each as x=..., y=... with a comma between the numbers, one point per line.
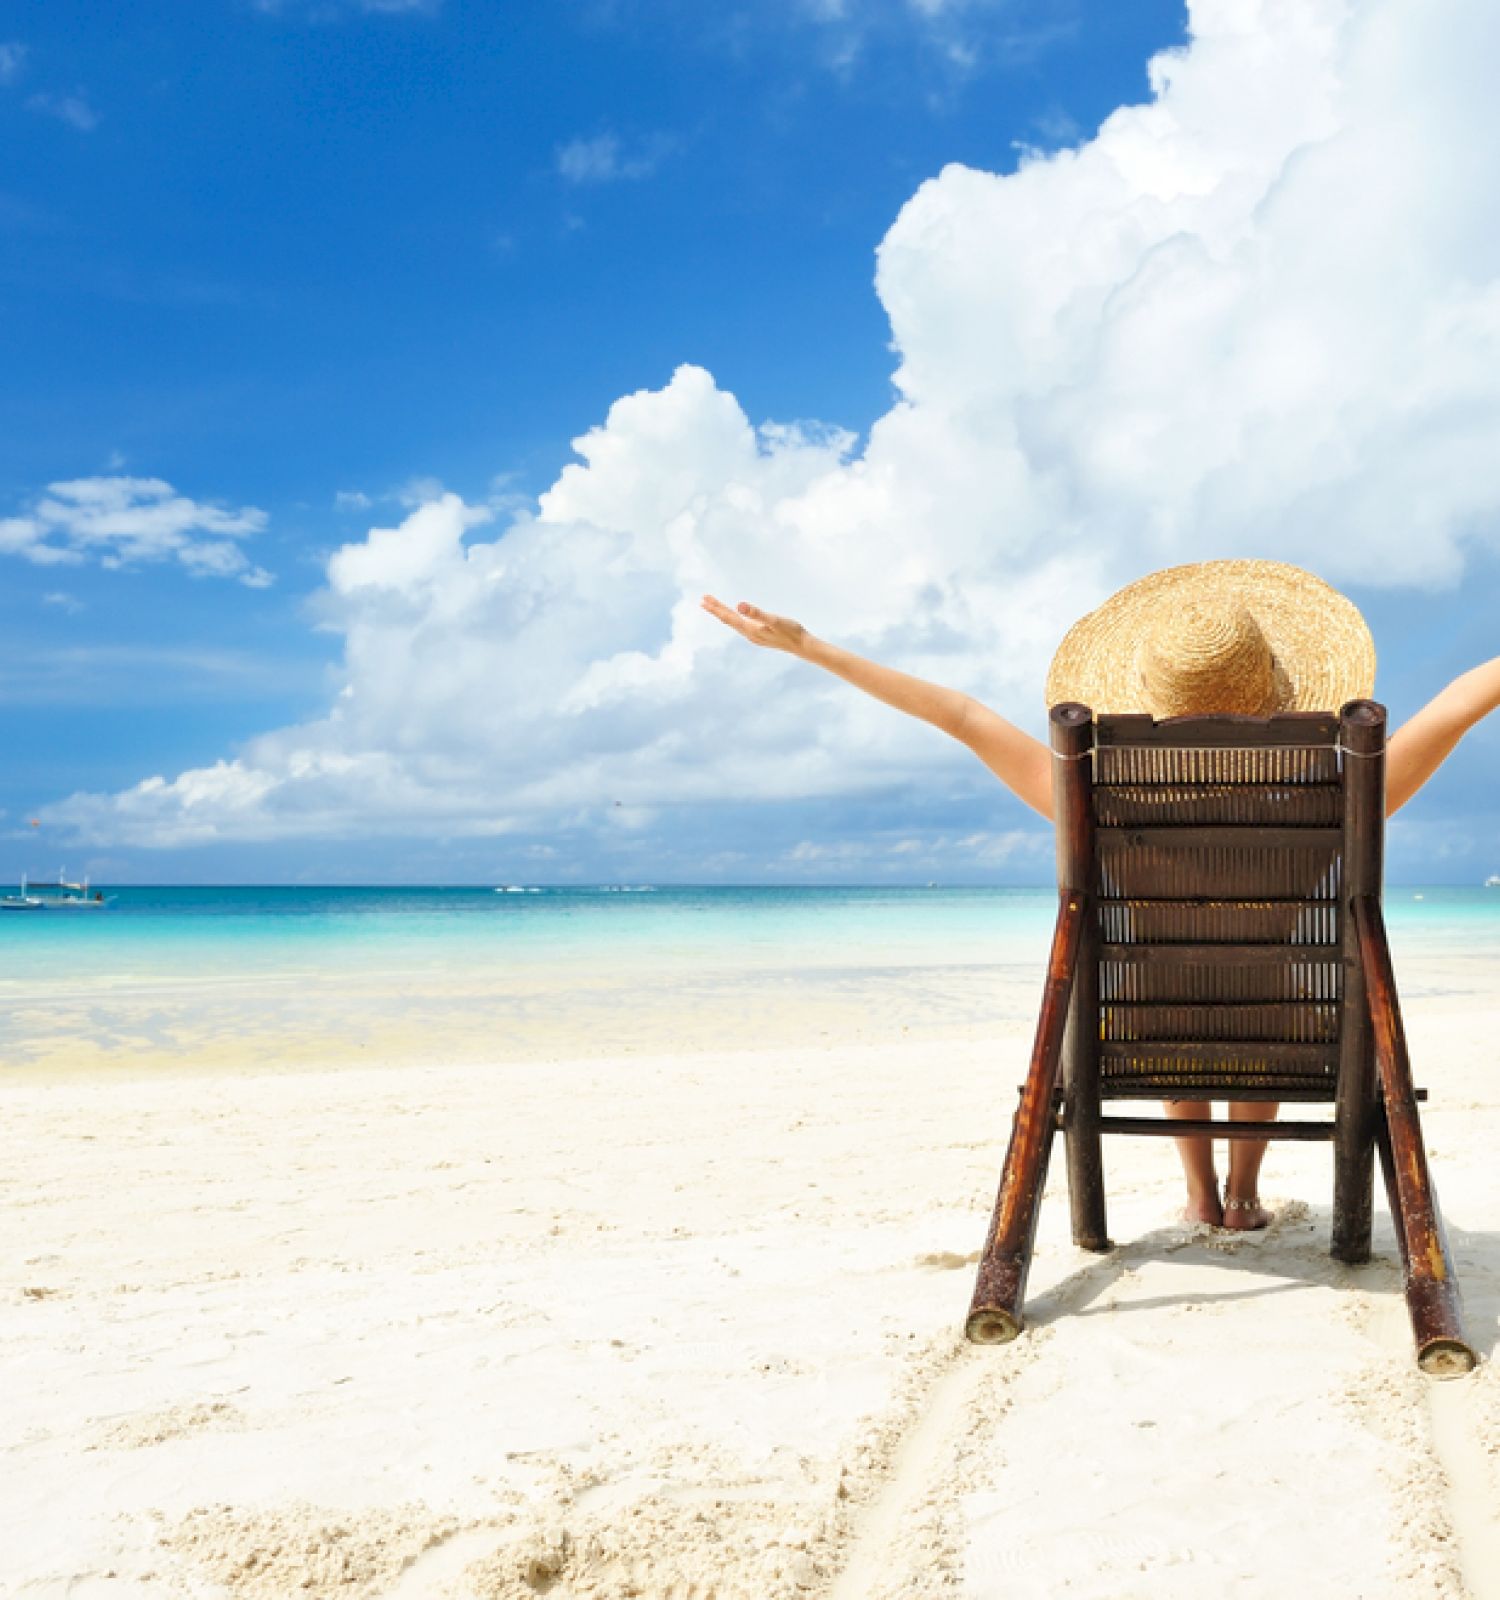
x=1220, y=854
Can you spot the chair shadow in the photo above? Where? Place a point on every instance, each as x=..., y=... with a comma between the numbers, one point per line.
x=1296, y=1249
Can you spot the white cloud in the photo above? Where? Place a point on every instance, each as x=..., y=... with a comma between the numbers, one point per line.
x=12, y=60
x=126, y=521
x=606, y=158
x=74, y=109
x=1259, y=315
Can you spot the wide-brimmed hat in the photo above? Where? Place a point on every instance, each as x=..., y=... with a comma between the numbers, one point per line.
x=1253, y=637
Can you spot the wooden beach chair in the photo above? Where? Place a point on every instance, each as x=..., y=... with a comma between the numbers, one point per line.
x=1219, y=937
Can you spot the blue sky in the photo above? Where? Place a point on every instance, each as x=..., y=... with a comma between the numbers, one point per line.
x=277, y=275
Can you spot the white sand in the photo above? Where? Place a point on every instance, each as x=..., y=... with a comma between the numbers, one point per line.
x=686, y=1325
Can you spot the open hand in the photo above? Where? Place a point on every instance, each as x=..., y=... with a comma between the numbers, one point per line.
x=759, y=627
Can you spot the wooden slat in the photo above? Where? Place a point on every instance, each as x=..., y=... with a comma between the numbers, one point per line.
x=1146, y=803
x=1287, y=766
x=1225, y=836
x=1215, y=1128
x=1262, y=920
x=1310, y=728
x=1240, y=863
x=1299, y=1091
x=1221, y=1021
x=1219, y=955
x=1144, y=1088
x=1226, y=1054
x=1204, y=983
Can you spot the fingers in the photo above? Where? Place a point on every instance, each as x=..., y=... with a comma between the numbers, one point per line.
x=717, y=608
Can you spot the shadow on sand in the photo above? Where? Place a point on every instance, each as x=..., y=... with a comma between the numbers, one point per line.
x=1289, y=1257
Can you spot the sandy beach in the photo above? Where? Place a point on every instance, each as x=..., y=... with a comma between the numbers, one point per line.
x=665, y=1300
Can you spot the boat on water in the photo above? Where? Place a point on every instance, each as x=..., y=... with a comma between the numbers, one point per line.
x=1493, y=881
x=58, y=896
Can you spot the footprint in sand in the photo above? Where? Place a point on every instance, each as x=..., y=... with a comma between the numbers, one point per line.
x=948, y=1260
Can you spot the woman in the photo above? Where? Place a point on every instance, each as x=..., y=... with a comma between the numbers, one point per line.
x=1253, y=637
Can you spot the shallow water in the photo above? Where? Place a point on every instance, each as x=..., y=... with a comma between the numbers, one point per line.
x=284, y=974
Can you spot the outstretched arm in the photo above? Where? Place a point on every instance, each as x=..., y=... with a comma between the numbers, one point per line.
x=1022, y=763
x=1423, y=742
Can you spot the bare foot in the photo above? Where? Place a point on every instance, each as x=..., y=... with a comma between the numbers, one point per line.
x=1204, y=1208
x=1245, y=1215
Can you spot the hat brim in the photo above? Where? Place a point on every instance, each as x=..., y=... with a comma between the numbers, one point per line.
x=1321, y=649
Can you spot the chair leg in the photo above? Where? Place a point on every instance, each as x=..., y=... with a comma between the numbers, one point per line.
x=1086, y=1172
x=1431, y=1288
x=1353, y=1193
x=995, y=1311
x=1432, y=1301
x=1354, y=1133
x=1080, y=1070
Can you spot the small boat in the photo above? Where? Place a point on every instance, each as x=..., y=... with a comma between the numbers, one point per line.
x=59, y=896
x=1493, y=881
x=21, y=902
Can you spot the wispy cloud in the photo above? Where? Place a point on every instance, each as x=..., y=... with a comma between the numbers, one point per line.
x=63, y=601
x=961, y=37
x=122, y=522
x=606, y=158
x=411, y=492
x=332, y=10
x=74, y=109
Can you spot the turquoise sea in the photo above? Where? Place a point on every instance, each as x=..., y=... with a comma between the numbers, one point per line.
x=247, y=929
x=169, y=973
x=238, y=930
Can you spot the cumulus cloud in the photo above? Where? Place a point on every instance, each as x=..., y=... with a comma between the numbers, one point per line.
x=121, y=522
x=1257, y=315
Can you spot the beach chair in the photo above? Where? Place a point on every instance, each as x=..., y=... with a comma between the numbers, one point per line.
x=1219, y=937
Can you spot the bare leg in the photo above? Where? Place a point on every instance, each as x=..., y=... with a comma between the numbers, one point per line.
x=1245, y=1157
x=1197, y=1152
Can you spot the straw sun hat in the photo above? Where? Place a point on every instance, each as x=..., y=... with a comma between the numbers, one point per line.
x=1253, y=637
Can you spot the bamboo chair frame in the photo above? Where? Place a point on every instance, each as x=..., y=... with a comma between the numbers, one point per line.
x=1219, y=937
